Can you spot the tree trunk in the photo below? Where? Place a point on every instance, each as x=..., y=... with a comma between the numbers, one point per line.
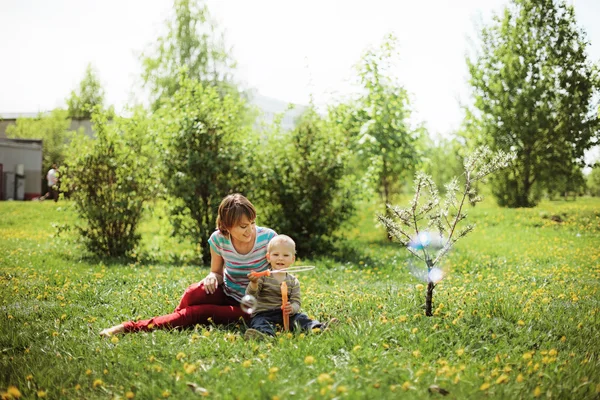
x=429, y=299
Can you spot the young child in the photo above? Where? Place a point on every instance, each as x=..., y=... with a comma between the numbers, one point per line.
x=281, y=253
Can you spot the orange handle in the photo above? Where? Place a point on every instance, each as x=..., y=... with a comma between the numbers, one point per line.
x=255, y=274
x=284, y=300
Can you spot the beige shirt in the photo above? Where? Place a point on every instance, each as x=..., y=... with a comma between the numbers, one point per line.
x=268, y=294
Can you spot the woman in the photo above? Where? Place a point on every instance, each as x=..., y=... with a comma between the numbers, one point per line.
x=237, y=248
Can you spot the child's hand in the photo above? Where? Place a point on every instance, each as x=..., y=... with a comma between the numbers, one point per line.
x=253, y=278
x=287, y=309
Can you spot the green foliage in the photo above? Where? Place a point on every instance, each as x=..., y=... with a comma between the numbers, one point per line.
x=443, y=159
x=306, y=191
x=379, y=122
x=90, y=95
x=191, y=43
x=593, y=181
x=204, y=150
x=532, y=88
x=54, y=131
x=109, y=179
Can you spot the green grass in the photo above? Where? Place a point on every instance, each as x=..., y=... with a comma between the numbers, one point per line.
x=517, y=316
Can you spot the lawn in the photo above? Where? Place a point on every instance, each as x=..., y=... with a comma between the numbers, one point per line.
x=518, y=316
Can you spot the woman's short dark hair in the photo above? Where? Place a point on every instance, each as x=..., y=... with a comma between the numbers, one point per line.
x=232, y=209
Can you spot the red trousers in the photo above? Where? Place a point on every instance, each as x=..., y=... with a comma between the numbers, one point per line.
x=196, y=307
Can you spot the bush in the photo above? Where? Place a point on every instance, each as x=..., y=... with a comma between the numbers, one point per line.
x=109, y=179
x=203, y=148
x=306, y=190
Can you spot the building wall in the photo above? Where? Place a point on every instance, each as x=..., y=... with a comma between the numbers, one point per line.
x=29, y=153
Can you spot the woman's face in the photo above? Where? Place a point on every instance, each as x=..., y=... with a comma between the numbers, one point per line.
x=243, y=231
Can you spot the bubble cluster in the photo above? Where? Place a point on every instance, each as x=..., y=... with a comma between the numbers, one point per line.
x=248, y=304
x=428, y=244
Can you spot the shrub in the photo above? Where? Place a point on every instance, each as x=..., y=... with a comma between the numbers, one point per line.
x=306, y=189
x=109, y=178
x=203, y=149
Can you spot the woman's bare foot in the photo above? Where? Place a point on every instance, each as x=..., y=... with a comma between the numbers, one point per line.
x=112, y=331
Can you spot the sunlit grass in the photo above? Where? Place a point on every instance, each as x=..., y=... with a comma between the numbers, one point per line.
x=517, y=316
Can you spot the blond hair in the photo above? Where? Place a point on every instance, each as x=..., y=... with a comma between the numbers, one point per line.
x=232, y=209
x=281, y=239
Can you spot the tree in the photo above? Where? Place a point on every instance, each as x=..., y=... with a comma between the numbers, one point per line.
x=532, y=88
x=54, y=131
x=204, y=150
x=110, y=177
x=442, y=159
x=379, y=125
x=90, y=95
x=429, y=227
x=306, y=192
x=190, y=44
x=593, y=181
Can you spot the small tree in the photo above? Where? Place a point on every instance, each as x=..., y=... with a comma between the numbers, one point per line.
x=192, y=43
x=306, y=190
x=204, y=152
x=109, y=178
x=81, y=103
x=379, y=125
x=406, y=225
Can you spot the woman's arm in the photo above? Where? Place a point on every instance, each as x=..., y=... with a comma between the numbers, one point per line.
x=215, y=276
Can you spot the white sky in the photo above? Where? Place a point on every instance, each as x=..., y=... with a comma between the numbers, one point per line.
x=285, y=49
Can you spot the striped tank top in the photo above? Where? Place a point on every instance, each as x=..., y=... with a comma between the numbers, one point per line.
x=237, y=266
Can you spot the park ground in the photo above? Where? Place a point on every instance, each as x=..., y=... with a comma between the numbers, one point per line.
x=518, y=315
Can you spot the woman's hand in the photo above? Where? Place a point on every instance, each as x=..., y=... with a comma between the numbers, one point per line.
x=212, y=282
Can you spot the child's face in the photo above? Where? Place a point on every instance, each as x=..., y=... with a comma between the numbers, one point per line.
x=281, y=255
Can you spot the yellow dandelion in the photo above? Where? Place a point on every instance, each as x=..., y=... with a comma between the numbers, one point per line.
x=97, y=382
x=309, y=360
x=129, y=395
x=77, y=387
x=415, y=330
x=114, y=340
x=520, y=378
x=502, y=379
x=416, y=354
x=563, y=339
x=88, y=371
x=247, y=363
x=166, y=393
x=342, y=390
x=180, y=355
x=324, y=378
x=273, y=370
x=13, y=391
x=520, y=322
x=41, y=394
x=528, y=355
x=484, y=386
x=105, y=371
x=189, y=368
x=419, y=287
x=406, y=386
x=55, y=334
x=537, y=392
x=356, y=348
x=460, y=352
x=552, y=352
x=29, y=377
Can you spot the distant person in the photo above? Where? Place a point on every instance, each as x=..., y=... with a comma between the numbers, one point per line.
x=237, y=247
x=52, y=179
x=269, y=311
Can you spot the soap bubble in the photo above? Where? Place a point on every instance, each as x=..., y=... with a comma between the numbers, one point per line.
x=248, y=304
x=427, y=240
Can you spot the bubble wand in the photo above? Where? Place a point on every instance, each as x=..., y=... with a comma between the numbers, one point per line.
x=268, y=272
x=284, y=300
